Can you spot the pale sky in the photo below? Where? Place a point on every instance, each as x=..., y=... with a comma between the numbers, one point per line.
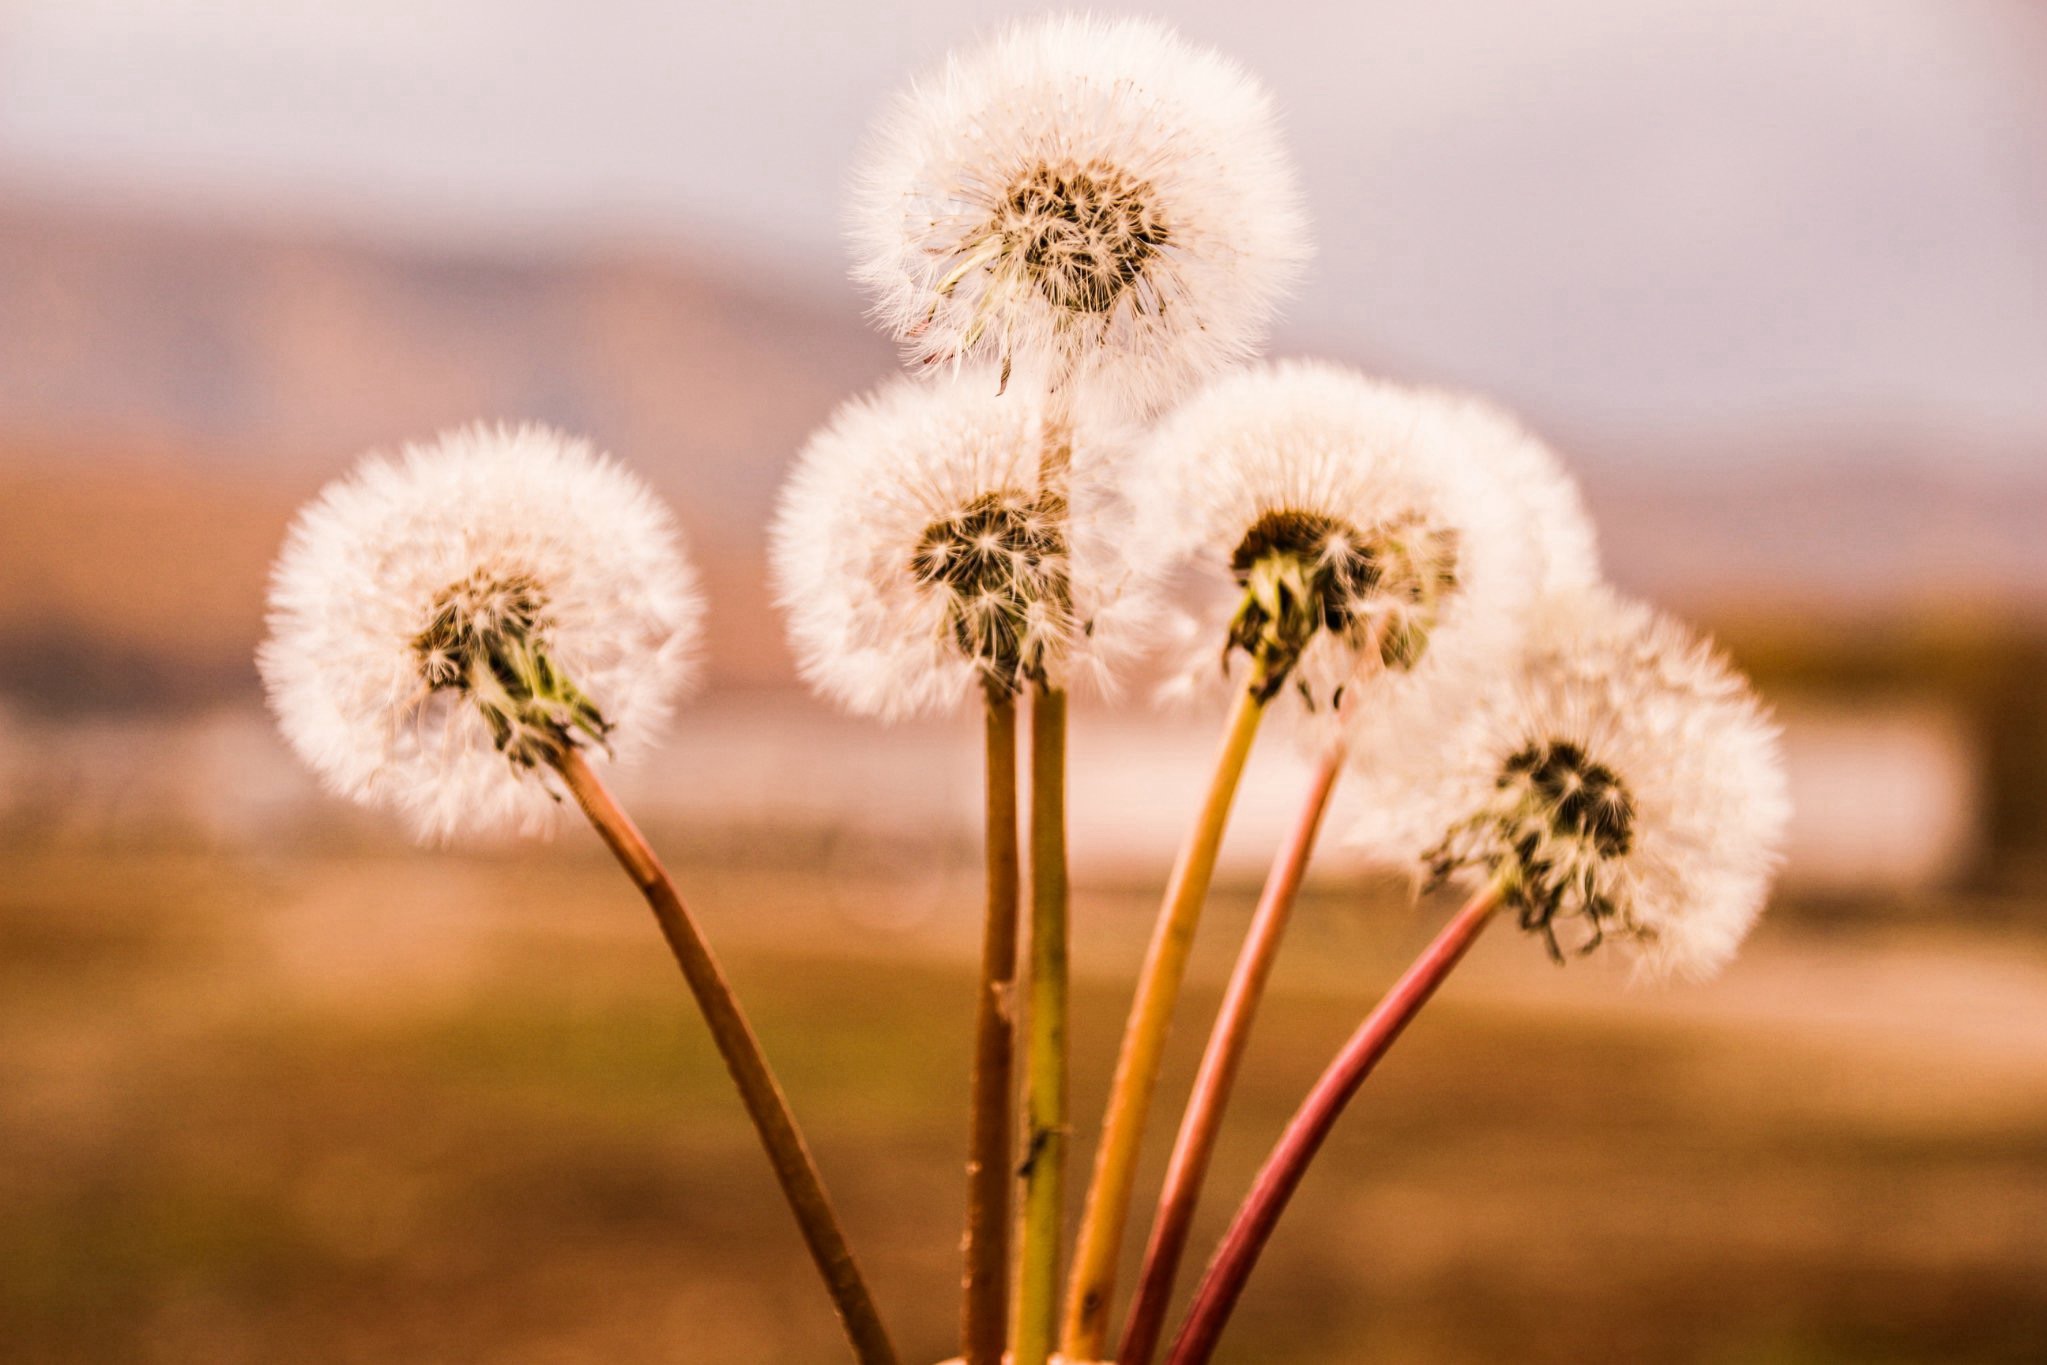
x=1725, y=212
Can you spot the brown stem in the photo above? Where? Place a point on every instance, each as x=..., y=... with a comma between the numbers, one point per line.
x=1281, y=1175
x=984, y=1316
x=1226, y=1041
x=787, y=1154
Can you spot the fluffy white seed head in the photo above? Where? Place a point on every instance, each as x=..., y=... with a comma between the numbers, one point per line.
x=441, y=622
x=1628, y=786
x=1373, y=549
x=1082, y=197
x=922, y=560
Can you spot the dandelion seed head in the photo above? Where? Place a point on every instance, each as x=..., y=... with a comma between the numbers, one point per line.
x=921, y=554
x=440, y=623
x=1628, y=787
x=1373, y=549
x=1082, y=197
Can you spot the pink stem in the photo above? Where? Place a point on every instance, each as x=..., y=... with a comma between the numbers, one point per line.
x=1226, y=1043
x=1234, y=1258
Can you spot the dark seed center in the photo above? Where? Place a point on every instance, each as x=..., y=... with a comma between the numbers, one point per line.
x=1304, y=572
x=1583, y=799
x=1001, y=560
x=1086, y=233
x=1337, y=561
x=473, y=620
x=484, y=642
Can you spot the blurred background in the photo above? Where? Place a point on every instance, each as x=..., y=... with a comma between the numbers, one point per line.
x=275, y=1085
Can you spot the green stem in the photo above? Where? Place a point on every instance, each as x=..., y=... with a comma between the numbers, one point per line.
x=984, y=1318
x=1107, y=1210
x=794, y=1168
x=1045, y=1091
x=1202, y=1121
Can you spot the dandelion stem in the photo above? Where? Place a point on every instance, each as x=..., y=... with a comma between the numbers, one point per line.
x=1311, y=1123
x=1226, y=1042
x=1045, y=1090
x=787, y=1153
x=984, y=1318
x=1098, y=1246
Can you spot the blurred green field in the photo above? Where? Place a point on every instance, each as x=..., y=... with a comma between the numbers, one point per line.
x=387, y=1107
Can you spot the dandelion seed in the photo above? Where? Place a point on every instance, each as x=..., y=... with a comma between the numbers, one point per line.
x=920, y=555
x=442, y=623
x=1630, y=787
x=1081, y=197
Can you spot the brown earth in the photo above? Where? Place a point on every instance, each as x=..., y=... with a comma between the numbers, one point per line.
x=404, y=1107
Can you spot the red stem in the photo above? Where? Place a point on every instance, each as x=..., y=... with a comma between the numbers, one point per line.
x=1226, y=1043
x=1234, y=1258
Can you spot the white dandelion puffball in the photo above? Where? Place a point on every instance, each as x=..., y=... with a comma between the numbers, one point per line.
x=1629, y=786
x=1366, y=547
x=920, y=557
x=440, y=623
x=1082, y=197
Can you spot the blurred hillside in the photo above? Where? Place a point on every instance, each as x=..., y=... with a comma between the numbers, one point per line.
x=169, y=391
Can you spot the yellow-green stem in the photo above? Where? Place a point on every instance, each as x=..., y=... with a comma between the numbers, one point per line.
x=1045, y=1132
x=1099, y=1245
x=984, y=1316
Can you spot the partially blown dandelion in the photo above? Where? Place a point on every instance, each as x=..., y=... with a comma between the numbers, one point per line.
x=1629, y=785
x=1082, y=196
x=443, y=622
x=921, y=556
